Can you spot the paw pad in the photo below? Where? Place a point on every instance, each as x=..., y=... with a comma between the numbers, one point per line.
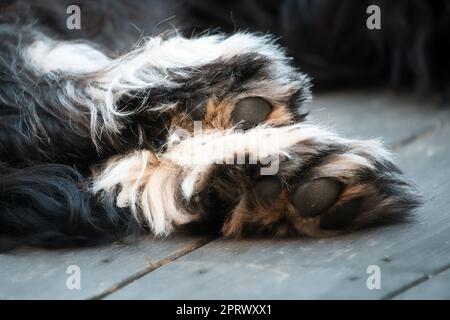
x=315, y=197
x=249, y=112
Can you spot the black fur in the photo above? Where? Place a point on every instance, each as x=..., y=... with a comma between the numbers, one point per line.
x=49, y=205
x=45, y=160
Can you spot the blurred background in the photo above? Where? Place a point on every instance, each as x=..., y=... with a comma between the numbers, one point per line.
x=329, y=39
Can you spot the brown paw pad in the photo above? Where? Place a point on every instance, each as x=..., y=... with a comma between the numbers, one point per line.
x=342, y=216
x=315, y=197
x=267, y=189
x=249, y=112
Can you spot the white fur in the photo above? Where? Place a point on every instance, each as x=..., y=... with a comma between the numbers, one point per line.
x=196, y=154
x=47, y=55
x=260, y=143
x=153, y=64
x=147, y=188
x=149, y=182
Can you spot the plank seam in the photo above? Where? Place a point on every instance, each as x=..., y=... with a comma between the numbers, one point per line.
x=415, y=283
x=420, y=135
x=152, y=267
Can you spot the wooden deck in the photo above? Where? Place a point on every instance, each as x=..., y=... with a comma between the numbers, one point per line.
x=414, y=258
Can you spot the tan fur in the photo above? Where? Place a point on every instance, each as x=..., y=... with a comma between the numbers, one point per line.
x=280, y=115
x=218, y=115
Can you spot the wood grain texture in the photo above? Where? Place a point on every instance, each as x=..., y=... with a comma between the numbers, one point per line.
x=435, y=287
x=41, y=274
x=371, y=114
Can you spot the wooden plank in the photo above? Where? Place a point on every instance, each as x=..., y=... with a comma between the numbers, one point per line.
x=327, y=268
x=435, y=287
x=41, y=274
x=371, y=114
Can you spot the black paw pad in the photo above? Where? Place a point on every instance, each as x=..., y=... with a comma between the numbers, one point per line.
x=267, y=189
x=315, y=197
x=249, y=112
x=342, y=216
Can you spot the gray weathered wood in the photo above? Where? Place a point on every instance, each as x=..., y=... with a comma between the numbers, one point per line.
x=435, y=287
x=371, y=114
x=41, y=274
x=327, y=268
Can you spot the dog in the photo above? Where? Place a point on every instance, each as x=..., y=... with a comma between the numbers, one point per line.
x=206, y=132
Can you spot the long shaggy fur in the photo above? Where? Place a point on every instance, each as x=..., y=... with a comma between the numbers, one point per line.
x=98, y=142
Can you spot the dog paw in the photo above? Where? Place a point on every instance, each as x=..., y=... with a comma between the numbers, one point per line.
x=351, y=187
x=312, y=199
x=315, y=183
